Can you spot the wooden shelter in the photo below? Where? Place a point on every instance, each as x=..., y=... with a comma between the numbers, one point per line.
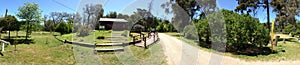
x=113, y=24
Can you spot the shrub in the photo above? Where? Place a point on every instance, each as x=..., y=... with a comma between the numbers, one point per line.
x=62, y=28
x=241, y=30
x=190, y=32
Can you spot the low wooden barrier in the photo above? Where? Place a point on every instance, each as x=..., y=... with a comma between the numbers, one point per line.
x=3, y=43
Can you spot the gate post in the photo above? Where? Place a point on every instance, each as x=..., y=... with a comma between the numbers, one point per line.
x=2, y=46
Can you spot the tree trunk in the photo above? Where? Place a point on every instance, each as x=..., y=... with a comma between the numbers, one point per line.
x=27, y=30
x=199, y=39
x=17, y=33
x=8, y=34
x=207, y=40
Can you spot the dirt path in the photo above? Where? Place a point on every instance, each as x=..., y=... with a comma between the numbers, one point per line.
x=181, y=53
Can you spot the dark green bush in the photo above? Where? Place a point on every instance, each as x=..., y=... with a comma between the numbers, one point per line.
x=234, y=29
x=62, y=28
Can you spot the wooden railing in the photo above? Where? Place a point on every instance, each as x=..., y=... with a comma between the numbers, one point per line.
x=3, y=43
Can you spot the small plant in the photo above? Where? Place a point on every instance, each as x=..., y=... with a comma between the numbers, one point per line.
x=100, y=37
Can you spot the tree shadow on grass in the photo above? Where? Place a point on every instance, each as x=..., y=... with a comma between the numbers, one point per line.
x=248, y=49
x=16, y=37
x=19, y=41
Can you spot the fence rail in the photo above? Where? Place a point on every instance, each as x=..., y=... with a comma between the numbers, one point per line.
x=3, y=43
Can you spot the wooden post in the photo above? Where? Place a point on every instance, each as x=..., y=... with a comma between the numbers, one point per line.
x=95, y=46
x=2, y=46
x=95, y=50
x=154, y=37
x=133, y=39
x=15, y=47
x=141, y=35
x=149, y=34
x=144, y=38
x=123, y=44
x=65, y=41
x=6, y=11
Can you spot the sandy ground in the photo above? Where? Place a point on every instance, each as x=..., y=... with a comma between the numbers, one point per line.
x=181, y=53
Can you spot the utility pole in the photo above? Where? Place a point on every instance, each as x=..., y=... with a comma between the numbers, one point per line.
x=268, y=13
x=6, y=13
x=8, y=23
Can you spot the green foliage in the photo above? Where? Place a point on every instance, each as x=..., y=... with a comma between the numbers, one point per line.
x=289, y=28
x=111, y=15
x=9, y=23
x=190, y=32
x=235, y=25
x=253, y=32
x=49, y=25
x=286, y=11
x=203, y=30
x=31, y=13
x=164, y=26
x=62, y=28
x=249, y=5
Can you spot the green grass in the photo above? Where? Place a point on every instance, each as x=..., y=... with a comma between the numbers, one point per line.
x=136, y=56
x=291, y=53
x=44, y=50
x=92, y=37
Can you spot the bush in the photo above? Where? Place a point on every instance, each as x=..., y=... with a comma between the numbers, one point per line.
x=62, y=28
x=241, y=30
x=190, y=32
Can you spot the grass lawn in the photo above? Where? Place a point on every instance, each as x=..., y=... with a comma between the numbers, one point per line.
x=291, y=49
x=135, y=56
x=44, y=50
x=108, y=35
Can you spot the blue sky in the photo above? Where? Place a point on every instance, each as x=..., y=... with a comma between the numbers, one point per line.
x=46, y=6
x=120, y=6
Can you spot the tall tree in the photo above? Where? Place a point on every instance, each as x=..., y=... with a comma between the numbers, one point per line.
x=31, y=13
x=111, y=15
x=251, y=6
x=194, y=9
x=286, y=11
x=58, y=17
x=191, y=7
x=93, y=12
x=12, y=24
x=186, y=10
x=123, y=16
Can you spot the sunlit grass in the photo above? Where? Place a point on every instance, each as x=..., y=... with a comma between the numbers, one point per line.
x=135, y=56
x=44, y=50
x=92, y=37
